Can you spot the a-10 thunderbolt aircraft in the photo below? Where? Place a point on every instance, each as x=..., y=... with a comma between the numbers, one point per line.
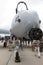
x=26, y=24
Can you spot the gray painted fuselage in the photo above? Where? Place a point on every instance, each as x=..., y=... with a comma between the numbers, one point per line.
x=28, y=20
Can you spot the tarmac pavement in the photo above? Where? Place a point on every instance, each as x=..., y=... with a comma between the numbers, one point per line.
x=27, y=57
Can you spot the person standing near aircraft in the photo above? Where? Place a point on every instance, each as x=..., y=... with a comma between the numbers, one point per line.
x=37, y=48
x=16, y=52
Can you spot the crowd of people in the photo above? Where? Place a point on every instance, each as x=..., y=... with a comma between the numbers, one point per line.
x=35, y=45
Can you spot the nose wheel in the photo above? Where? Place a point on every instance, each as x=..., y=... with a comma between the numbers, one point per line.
x=35, y=33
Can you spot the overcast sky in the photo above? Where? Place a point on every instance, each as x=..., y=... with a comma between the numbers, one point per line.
x=7, y=11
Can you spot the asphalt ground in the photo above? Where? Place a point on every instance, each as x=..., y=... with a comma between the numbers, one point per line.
x=27, y=57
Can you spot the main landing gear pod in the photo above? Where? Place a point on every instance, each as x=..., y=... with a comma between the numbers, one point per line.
x=35, y=34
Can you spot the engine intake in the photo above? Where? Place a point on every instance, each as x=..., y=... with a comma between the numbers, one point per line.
x=35, y=33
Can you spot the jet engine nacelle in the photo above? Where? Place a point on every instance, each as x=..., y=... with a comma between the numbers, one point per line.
x=26, y=24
